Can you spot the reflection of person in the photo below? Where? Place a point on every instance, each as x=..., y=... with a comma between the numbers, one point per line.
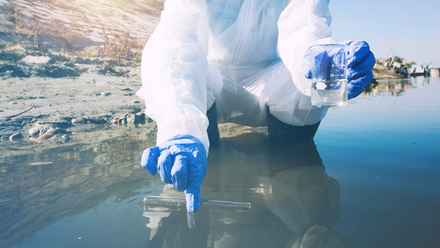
x=173, y=231
x=239, y=61
x=303, y=196
x=297, y=206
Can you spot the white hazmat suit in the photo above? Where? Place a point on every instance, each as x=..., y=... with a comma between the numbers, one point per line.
x=244, y=55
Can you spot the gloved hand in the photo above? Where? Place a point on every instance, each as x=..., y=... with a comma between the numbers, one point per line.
x=182, y=162
x=360, y=62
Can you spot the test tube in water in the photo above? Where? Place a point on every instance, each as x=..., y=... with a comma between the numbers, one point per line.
x=178, y=200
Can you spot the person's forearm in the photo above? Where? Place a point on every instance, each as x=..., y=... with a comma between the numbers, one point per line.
x=174, y=71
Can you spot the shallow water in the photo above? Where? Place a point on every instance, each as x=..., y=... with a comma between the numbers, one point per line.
x=370, y=179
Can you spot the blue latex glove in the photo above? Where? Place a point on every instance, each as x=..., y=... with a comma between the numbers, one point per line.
x=360, y=62
x=182, y=162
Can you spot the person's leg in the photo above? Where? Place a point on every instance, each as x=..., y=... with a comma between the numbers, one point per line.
x=280, y=132
x=214, y=86
x=213, y=133
x=267, y=96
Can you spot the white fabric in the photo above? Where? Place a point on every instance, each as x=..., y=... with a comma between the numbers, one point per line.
x=243, y=54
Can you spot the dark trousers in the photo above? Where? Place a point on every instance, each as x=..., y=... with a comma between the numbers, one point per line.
x=279, y=132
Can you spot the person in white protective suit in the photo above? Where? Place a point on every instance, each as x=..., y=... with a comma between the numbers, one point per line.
x=236, y=61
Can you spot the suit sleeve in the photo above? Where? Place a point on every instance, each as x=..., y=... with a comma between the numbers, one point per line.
x=303, y=23
x=174, y=71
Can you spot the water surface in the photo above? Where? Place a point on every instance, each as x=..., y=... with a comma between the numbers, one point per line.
x=370, y=179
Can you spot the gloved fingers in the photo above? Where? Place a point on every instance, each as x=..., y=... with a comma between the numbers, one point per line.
x=164, y=164
x=356, y=52
x=307, y=64
x=361, y=69
x=193, y=200
x=319, y=65
x=149, y=159
x=182, y=161
x=323, y=65
x=192, y=193
x=179, y=172
x=355, y=87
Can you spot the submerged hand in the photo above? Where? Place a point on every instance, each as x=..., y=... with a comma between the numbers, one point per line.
x=182, y=162
x=358, y=59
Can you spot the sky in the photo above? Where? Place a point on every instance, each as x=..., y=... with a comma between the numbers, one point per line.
x=408, y=29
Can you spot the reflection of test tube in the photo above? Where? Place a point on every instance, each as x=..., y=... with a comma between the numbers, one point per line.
x=150, y=199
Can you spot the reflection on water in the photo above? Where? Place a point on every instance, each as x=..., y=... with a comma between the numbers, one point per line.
x=294, y=202
x=379, y=186
x=42, y=184
x=398, y=86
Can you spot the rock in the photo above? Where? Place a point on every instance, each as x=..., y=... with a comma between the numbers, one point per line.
x=17, y=48
x=131, y=118
x=59, y=58
x=38, y=129
x=6, y=56
x=42, y=128
x=33, y=131
x=97, y=120
x=51, y=133
x=140, y=117
x=105, y=93
x=35, y=59
x=79, y=120
x=89, y=120
x=8, y=70
x=119, y=120
x=46, y=136
x=15, y=137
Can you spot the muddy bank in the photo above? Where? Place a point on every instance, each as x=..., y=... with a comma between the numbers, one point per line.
x=71, y=63
x=52, y=92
